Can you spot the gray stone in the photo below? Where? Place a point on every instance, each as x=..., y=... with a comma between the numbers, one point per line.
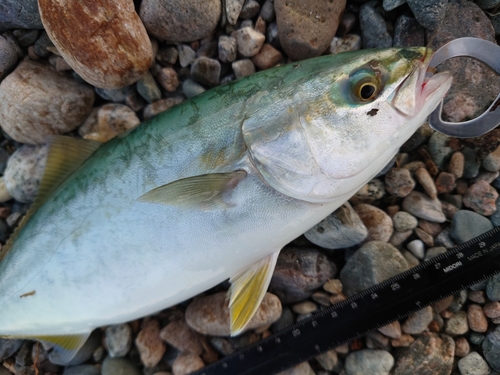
x=42, y=44
x=439, y=150
x=408, y=32
x=493, y=288
x=148, y=88
x=404, y=221
x=118, y=340
x=487, y=4
x=243, y=68
x=167, y=55
x=369, y=361
x=373, y=263
x=471, y=163
x=186, y=55
x=429, y=13
x=117, y=96
x=473, y=364
x=192, y=88
x=19, y=14
x=424, y=207
x=26, y=37
x=227, y=49
x=121, y=366
x=206, y=71
x=444, y=239
x=298, y=272
x=458, y=301
x=466, y=225
x=272, y=35
x=389, y=5
x=434, y=251
x=82, y=370
x=8, y=56
x=476, y=338
x=341, y=229
x=418, y=321
x=373, y=28
x=491, y=352
x=330, y=361
x=285, y=319
x=302, y=369
x=267, y=11
x=233, y=10
x=250, y=9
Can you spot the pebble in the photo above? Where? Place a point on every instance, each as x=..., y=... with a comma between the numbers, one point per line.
x=151, y=347
x=369, y=361
x=322, y=298
x=481, y=197
x=429, y=227
x=424, y=237
x=378, y=223
x=186, y=363
x=151, y=110
x=373, y=263
x=445, y=182
x=122, y=366
x=167, y=78
x=209, y=315
x=243, y=68
x=417, y=322
x=267, y=11
x=298, y=272
x=306, y=307
x=476, y=319
x=458, y=301
x=105, y=54
x=488, y=177
x=471, y=163
x=167, y=55
x=424, y=207
x=329, y=361
x=108, y=121
x=492, y=309
x=487, y=4
x=444, y=239
x=389, y=5
x=404, y=341
x=333, y=286
x=8, y=56
x=191, y=88
x=493, y=288
x=24, y=172
x=302, y=369
x=477, y=296
x=370, y=192
x=186, y=55
x=408, y=32
x=476, y=338
x=392, y=330
x=179, y=335
x=456, y=164
x=267, y=57
x=462, y=347
x=82, y=370
x=227, y=48
x=233, y=9
x=346, y=43
x=425, y=179
x=114, y=95
x=449, y=209
x=179, y=21
x=404, y=221
x=410, y=259
x=148, y=88
x=457, y=324
x=466, y=225
x=375, y=340
x=473, y=364
x=249, y=41
x=17, y=14
x=429, y=13
x=374, y=32
x=491, y=350
x=398, y=182
x=417, y=248
x=273, y=36
x=492, y=161
x=430, y=353
x=36, y=101
x=307, y=28
x=118, y=340
x=342, y=229
x=206, y=71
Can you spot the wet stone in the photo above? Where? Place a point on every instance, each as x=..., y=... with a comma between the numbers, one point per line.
x=122, y=366
x=425, y=179
x=424, y=207
x=399, y=182
x=298, y=272
x=341, y=229
x=428, y=354
x=473, y=364
x=118, y=340
x=481, y=197
x=466, y=225
x=373, y=28
x=206, y=71
x=243, y=68
x=378, y=223
x=417, y=322
x=408, y=32
x=373, y=263
x=151, y=347
x=476, y=319
x=404, y=221
x=368, y=361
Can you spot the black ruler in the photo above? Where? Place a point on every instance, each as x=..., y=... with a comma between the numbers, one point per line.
x=394, y=299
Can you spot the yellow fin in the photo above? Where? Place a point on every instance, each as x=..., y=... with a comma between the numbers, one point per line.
x=247, y=291
x=66, y=155
x=203, y=191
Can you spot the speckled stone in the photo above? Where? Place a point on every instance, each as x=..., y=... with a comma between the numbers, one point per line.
x=15, y=14
x=369, y=361
x=493, y=288
x=398, y=182
x=491, y=349
x=408, y=32
x=429, y=13
x=186, y=363
x=462, y=347
x=346, y=43
x=476, y=318
x=151, y=347
x=473, y=364
x=481, y=197
x=179, y=335
x=492, y=309
x=378, y=223
x=373, y=28
x=249, y=41
x=404, y=221
x=457, y=324
x=118, y=340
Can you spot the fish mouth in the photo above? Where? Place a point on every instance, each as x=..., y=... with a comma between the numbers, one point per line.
x=423, y=87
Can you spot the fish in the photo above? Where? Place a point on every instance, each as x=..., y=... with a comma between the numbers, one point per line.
x=210, y=190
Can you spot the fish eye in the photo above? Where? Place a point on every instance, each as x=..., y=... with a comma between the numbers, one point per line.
x=365, y=86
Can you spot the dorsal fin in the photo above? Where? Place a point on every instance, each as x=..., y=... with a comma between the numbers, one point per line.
x=66, y=155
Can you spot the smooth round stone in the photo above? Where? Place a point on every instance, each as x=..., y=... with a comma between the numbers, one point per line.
x=492, y=309
x=122, y=366
x=473, y=364
x=466, y=225
x=369, y=361
x=471, y=163
x=417, y=322
x=425, y=179
x=36, y=101
x=151, y=347
x=428, y=352
x=476, y=338
x=24, y=172
x=373, y=263
x=179, y=335
x=192, y=88
x=424, y=207
x=417, y=248
x=19, y=14
x=267, y=57
x=404, y=221
x=118, y=340
x=82, y=370
x=456, y=164
x=299, y=272
x=398, y=182
x=439, y=150
x=306, y=28
x=341, y=229
x=305, y=307
x=209, y=315
x=186, y=363
x=392, y=330
x=457, y=324
x=378, y=223
x=206, y=71
x=428, y=13
x=493, y=288
x=243, y=68
x=408, y=32
x=8, y=56
x=107, y=53
x=180, y=20
x=492, y=161
x=166, y=77
x=476, y=319
x=481, y=197
x=250, y=9
x=227, y=48
x=462, y=347
x=267, y=11
x=329, y=361
x=374, y=32
x=114, y=95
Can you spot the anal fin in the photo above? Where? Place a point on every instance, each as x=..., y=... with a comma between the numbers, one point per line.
x=247, y=291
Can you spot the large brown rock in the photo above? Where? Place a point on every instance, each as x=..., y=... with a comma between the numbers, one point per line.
x=105, y=42
x=180, y=20
x=306, y=28
x=36, y=101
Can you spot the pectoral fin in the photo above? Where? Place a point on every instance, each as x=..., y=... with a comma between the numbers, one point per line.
x=65, y=347
x=205, y=191
x=247, y=291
